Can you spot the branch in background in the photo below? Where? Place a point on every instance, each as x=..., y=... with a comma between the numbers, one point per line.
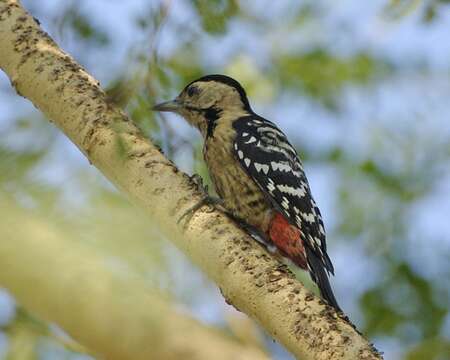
x=114, y=314
x=249, y=278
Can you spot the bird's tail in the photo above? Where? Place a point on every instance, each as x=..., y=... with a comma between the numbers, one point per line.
x=320, y=277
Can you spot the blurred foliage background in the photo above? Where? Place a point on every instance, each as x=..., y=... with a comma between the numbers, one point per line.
x=361, y=89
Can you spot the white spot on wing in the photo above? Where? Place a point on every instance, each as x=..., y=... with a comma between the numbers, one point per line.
x=273, y=148
x=244, y=134
x=271, y=186
x=285, y=203
x=263, y=167
x=318, y=242
x=321, y=229
x=247, y=162
x=308, y=217
x=251, y=140
x=281, y=166
x=300, y=192
x=240, y=154
x=270, y=130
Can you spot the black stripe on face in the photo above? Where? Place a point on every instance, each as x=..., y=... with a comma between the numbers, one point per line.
x=211, y=115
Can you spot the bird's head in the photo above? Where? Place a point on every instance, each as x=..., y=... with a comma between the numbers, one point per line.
x=205, y=100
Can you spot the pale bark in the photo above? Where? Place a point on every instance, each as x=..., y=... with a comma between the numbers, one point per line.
x=113, y=313
x=249, y=278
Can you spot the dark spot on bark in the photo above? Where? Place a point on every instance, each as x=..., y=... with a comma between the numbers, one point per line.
x=229, y=260
x=158, y=191
x=221, y=231
x=152, y=163
x=60, y=88
x=17, y=27
x=137, y=155
x=159, y=148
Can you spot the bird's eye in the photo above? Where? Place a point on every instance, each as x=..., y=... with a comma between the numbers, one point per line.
x=192, y=91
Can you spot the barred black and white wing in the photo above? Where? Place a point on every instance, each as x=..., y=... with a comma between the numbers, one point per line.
x=271, y=161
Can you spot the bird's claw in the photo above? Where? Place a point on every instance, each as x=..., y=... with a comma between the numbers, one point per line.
x=198, y=180
x=206, y=199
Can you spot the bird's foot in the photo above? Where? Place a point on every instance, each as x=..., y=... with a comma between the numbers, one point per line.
x=206, y=198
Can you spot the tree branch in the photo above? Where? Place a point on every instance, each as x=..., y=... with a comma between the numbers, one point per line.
x=112, y=313
x=247, y=275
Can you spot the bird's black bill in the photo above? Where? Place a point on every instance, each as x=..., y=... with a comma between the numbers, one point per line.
x=168, y=106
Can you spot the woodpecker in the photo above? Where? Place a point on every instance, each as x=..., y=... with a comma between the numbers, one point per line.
x=257, y=173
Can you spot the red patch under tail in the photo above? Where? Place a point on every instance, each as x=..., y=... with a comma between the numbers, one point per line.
x=287, y=238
